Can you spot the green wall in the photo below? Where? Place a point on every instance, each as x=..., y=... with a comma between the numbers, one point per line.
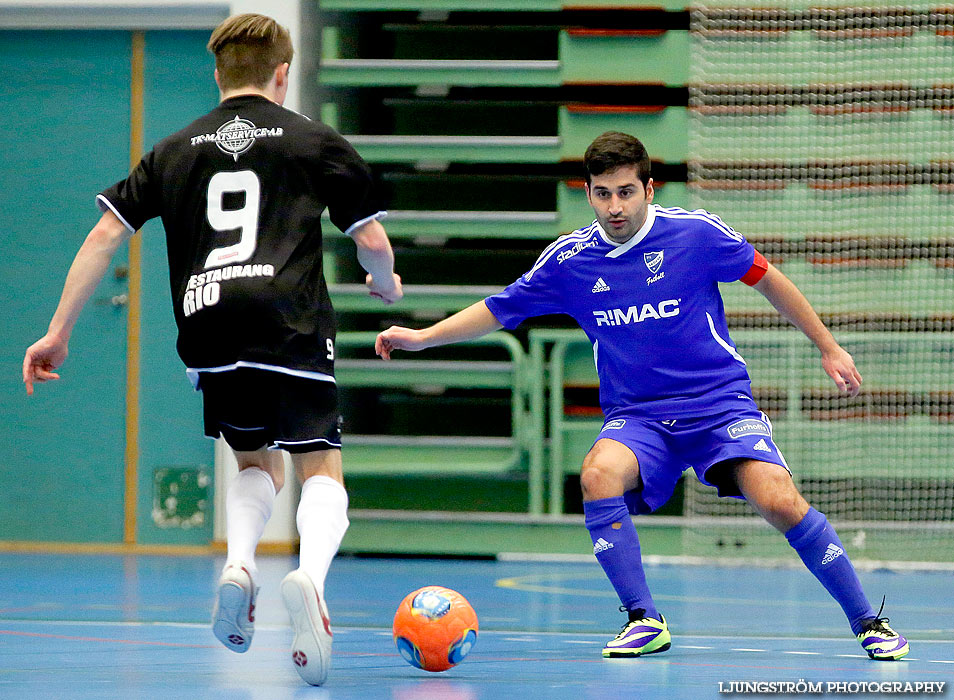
x=66, y=105
x=179, y=87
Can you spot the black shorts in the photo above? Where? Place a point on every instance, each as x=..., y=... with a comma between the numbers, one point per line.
x=255, y=408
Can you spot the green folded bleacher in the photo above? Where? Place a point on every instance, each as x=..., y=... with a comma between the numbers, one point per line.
x=821, y=131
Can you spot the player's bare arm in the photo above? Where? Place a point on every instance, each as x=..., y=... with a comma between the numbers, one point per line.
x=88, y=268
x=472, y=322
x=792, y=304
x=376, y=257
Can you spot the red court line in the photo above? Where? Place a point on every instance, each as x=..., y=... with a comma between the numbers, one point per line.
x=146, y=642
x=107, y=640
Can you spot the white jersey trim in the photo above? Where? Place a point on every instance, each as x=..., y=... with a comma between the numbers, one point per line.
x=621, y=248
x=193, y=372
x=105, y=204
x=728, y=348
x=575, y=237
x=358, y=224
x=702, y=215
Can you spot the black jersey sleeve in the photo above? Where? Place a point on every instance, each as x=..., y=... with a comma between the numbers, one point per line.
x=346, y=179
x=136, y=199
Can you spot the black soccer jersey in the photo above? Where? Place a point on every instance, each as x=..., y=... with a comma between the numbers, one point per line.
x=240, y=192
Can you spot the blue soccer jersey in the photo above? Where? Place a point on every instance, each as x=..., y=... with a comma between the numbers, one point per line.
x=650, y=306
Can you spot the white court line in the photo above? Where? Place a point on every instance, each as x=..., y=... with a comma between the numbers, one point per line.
x=749, y=649
x=598, y=638
x=588, y=623
x=580, y=641
x=521, y=639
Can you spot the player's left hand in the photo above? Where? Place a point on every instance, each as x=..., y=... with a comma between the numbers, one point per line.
x=389, y=292
x=840, y=366
x=41, y=359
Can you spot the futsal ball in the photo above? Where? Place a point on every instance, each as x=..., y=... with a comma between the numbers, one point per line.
x=434, y=628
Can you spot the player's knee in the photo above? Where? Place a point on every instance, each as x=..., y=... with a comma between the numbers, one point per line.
x=592, y=482
x=780, y=502
x=599, y=479
x=276, y=472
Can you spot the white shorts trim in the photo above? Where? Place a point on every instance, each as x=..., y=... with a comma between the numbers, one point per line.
x=193, y=372
x=278, y=445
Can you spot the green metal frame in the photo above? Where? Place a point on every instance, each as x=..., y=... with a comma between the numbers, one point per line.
x=665, y=131
x=649, y=59
x=354, y=298
x=799, y=436
x=491, y=5
x=430, y=454
x=361, y=72
x=442, y=225
x=457, y=149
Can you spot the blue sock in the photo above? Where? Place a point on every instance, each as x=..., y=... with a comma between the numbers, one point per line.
x=818, y=546
x=616, y=547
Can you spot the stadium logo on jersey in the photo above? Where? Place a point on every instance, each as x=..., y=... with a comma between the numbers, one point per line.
x=236, y=136
x=653, y=260
x=615, y=424
x=749, y=426
x=574, y=249
x=832, y=553
x=637, y=314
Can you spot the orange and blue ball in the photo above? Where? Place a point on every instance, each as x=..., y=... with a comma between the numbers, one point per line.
x=434, y=628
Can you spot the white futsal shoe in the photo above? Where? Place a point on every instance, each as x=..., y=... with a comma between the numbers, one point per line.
x=233, y=618
x=311, y=649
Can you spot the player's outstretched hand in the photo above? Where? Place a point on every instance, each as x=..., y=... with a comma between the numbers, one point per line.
x=41, y=359
x=389, y=293
x=397, y=338
x=840, y=366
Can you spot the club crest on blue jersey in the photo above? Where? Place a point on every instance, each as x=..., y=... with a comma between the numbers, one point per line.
x=653, y=260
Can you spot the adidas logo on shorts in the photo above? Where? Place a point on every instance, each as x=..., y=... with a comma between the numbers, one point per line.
x=601, y=545
x=762, y=447
x=832, y=553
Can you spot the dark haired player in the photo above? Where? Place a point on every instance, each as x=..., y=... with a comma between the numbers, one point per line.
x=642, y=283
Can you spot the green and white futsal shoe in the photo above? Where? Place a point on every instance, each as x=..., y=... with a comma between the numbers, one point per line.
x=640, y=636
x=880, y=641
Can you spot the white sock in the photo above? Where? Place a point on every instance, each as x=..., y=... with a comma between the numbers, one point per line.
x=248, y=506
x=322, y=522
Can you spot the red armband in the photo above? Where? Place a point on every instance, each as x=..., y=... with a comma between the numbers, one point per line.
x=757, y=271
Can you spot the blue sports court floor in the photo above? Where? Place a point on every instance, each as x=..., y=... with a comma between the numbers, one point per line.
x=94, y=626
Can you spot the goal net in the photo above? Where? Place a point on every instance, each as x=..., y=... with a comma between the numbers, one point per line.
x=825, y=134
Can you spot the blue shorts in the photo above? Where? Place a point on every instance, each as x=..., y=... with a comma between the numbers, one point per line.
x=666, y=448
